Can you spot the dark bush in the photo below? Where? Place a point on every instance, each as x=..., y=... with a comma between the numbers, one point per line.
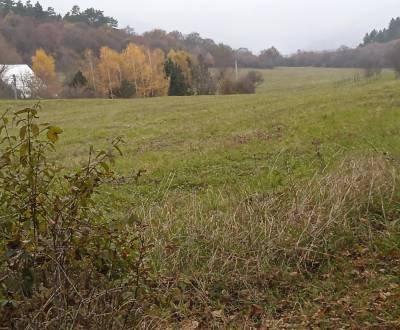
x=6, y=91
x=126, y=90
x=244, y=85
x=79, y=80
x=77, y=93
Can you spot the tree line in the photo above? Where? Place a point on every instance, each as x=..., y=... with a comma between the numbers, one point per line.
x=136, y=71
x=89, y=16
x=392, y=32
x=24, y=28
x=68, y=39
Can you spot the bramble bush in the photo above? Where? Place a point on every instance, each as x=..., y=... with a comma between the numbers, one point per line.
x=63, y=264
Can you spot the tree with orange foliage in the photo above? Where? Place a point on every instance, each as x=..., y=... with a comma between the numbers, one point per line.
x=158, y=81
x=135, y=67
x=145, y=68
x=45, y=70
x=89, y=68
x=110, y=71
x=136, y=71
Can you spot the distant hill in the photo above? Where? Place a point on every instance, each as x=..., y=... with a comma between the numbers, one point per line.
x=26, y=27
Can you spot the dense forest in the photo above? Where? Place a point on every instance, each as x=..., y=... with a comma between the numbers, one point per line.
x=26, y=27
x=88, y=49
x=94, y=57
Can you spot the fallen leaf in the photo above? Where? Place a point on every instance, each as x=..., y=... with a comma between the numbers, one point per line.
x=217, y=314
x=189, y=325
x=256, y=310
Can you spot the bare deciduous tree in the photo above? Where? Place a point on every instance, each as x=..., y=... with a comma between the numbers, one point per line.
x=393, y=57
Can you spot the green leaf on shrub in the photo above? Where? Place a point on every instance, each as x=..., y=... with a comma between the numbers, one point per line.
x=105, y=166
x=23, y=151
x=22, y=132
x=27, y=282
x=8, y=303
x=35, y=129
x=118, y=149
x=23, y=111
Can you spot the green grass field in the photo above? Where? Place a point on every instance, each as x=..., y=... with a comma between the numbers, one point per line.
x=216, y=170
x=242, y=143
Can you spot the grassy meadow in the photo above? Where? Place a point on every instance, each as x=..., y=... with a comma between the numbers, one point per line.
x=273, y=210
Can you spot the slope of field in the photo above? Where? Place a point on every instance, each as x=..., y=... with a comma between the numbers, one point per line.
x=284, y=79
x=219, y=170
x=217, y=141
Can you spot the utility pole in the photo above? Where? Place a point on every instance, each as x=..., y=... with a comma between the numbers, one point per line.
x=236, y=62
x=14, y=84
x=236, y=69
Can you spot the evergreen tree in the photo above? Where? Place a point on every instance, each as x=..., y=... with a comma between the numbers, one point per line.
x=75, y=11
x=91, y=17
x=51, y=13
x=19, y=8
x=38, y=10
x=6, y=6
x=126, y=90
x=385, y=35
x=79, y=80
x=177, y=85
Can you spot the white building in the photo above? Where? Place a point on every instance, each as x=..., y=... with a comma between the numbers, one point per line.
x=19, y=76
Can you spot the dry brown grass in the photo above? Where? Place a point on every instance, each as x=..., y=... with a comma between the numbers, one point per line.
x=237, y=254
x=294, y=221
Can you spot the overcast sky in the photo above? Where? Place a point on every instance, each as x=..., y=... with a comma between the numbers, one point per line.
x=256, y=24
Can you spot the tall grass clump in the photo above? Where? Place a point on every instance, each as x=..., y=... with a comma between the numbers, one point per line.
x=255, y=251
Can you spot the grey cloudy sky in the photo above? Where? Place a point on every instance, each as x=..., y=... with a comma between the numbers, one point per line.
x=256, y=24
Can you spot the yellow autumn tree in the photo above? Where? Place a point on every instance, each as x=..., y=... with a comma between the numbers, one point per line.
x=159, y=83
x=109, y=71
x=135, y=66
x=145, y=69
x=44, y=67
x=89, y=68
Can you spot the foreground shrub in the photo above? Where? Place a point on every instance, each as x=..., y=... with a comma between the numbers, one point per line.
x=63, y=264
